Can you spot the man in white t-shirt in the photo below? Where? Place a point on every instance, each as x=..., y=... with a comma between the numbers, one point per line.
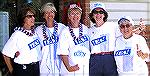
x=131, y=51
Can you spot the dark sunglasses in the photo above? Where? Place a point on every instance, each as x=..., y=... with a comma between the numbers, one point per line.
x=30, y=16
x=123, y=26
x=100, y=12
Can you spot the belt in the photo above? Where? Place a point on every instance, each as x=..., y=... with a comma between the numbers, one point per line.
x=104, y=53
x=33, y=63
x=24, y=66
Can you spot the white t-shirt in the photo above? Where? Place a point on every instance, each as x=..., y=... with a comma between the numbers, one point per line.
x=49, y=65
x=29, y=48
x=78, y=51
x=127, y=60
x=103, y=38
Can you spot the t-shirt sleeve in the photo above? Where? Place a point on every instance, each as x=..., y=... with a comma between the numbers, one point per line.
x=63, y=43
x=144, y=47
x=11, y=46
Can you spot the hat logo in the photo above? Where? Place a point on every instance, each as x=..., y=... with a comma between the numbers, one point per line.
x=73, y=6
x=97, y=4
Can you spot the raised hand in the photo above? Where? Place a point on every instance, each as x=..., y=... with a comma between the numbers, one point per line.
x=139, y=29
x=141, y=54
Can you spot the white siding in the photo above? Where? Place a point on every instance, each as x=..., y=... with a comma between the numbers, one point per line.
x=135, y=10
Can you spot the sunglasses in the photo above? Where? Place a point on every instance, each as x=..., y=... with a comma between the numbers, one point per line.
x=123, y=26
x=100, y=12
x=30, y=16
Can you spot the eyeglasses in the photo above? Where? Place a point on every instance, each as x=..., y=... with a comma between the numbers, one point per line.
x=30, y=16
x=123, y=26
x=100, y=12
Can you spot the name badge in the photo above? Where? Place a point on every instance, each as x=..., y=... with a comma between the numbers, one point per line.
x=50, y=40
x=99, y=40
x=123, y=52
x=81, y=40
x=34, y=44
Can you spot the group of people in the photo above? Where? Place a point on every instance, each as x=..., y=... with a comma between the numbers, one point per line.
x=55, y=49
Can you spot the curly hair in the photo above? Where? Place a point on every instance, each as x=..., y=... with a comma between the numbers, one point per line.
x=22, y=14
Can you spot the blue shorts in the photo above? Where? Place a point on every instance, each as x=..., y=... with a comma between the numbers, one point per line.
x=102, y=65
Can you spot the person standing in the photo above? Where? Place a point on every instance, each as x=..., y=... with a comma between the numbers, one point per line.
x=49, y=33
x=23, y=46
x=102, y=40
x=131, y=51
x=74, y=44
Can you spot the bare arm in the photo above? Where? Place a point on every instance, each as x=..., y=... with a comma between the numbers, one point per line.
x=141, y=54
x=8, y=63
x=65, y=60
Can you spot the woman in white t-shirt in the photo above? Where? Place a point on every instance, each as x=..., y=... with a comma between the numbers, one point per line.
x=74, y=45
x=23, y=46
x=49, y=33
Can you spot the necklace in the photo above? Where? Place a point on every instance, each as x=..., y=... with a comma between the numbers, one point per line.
x=80, y=31
x=25, y=31
x=54, y=33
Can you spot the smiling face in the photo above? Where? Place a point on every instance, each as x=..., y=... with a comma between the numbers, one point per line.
x=126, y=29
x=48, y=11
x=98, y=15
x=49, y=15
x=74, y=16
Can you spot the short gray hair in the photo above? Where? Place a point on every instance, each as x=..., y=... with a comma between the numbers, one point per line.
x=49, y=6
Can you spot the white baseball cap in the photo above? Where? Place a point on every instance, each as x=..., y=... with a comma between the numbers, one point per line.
x=126, y=17
x=97, y=5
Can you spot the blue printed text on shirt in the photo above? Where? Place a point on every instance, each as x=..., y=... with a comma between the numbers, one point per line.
x=50, y=40
x=33, y=44
x=123, y=52
x=99, y=40
x=79, y=53
x=81, y=40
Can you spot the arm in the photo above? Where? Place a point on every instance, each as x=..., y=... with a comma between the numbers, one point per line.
x=141, y=28
x=141, y=54
x=8, y=63
x=65, y=60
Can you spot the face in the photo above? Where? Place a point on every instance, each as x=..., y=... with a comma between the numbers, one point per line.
x=29, y=19
x=49, y=15
x=126, y=30
x=74, y=15
x=98, y=15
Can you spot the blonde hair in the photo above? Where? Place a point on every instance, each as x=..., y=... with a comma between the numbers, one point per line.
x=48, y=6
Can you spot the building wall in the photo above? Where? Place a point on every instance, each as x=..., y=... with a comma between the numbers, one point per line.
x=146, y=34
